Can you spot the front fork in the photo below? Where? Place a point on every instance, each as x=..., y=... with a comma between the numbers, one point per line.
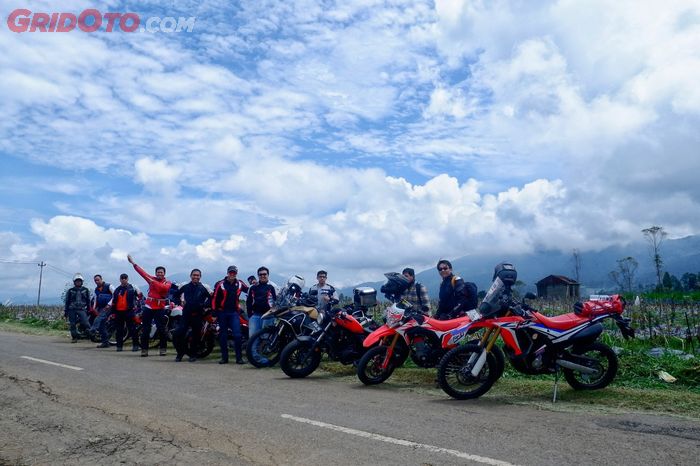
x=390, y=351
x=486, y=342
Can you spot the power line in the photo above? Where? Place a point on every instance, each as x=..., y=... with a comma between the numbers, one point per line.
x=59, y=270
x=9, y=261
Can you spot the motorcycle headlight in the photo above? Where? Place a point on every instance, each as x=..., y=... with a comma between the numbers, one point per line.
x=394, y=316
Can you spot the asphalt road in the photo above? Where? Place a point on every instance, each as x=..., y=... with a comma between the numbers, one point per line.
x=104, y=407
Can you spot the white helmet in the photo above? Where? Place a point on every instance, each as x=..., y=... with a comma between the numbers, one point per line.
x=78, y=276
x=297, y=280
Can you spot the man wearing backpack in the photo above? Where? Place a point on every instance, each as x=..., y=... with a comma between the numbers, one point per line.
x=123, y=303
x=77, y=303
x=456, y=295
x=416, y=293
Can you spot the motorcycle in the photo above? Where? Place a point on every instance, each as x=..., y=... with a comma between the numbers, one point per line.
x=337, y=332
x=534, y=343
x=210, y=335
x=407, y=332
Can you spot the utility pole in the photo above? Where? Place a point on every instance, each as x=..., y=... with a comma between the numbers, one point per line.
x=41, y=265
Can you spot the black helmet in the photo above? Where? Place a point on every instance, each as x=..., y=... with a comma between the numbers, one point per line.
x=395, y=285
x=506, y=272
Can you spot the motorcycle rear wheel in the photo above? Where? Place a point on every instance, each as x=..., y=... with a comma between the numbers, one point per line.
x=206, y=346
x=298, y=359
x=454, y=373
x=369, y=369
x=263, y=353
x=602, y=358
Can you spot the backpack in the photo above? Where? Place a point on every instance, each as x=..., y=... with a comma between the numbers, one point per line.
x=470, y=291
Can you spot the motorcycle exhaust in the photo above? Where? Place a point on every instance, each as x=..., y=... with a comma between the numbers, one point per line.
x=576, y=367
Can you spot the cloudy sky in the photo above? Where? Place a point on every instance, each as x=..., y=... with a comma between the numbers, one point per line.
x=356, y=136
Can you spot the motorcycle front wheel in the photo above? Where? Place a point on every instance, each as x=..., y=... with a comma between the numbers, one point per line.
x=597, y=356
x=206, y=346
x=369, y=368
x=265, y=346
x=299, y=359
x=455, y=377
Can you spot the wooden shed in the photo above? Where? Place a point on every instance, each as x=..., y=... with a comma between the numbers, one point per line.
x=558, y=286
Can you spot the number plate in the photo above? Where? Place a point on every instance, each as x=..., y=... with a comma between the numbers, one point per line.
x=473, y=315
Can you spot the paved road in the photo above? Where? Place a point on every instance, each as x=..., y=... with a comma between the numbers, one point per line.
x=121, y=408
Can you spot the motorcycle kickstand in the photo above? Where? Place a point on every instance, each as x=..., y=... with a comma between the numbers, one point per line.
x=556, y=385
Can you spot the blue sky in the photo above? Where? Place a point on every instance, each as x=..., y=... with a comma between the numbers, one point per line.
x=359, y=137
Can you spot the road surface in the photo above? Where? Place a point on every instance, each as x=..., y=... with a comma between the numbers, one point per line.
x=72, y=403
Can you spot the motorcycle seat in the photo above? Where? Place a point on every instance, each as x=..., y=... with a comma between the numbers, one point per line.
x=445, y=325
x=562, y=322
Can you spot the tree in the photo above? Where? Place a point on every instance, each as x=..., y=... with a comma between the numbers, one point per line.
x=666, y=281
x=576, y=258
x=623, y=276
x=655, y=235
x=689, y=281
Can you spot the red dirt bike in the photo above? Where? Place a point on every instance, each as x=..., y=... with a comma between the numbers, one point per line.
x=210, y=335
x=534, y=343
x=336, y=332
x=407, y=332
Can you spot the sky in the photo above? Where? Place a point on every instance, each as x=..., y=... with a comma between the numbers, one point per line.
x=358, y=137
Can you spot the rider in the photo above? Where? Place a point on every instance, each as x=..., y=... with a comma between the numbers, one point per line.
x=456, y=295
x=103, y=296
x=158, y=288
x=124, y=302
x=416, y=293
x=76, y=306
x=195, y=298
x=322, y=290
x=261, y=298
x=226, y=304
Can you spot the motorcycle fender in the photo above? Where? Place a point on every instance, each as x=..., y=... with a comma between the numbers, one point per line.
x=586, y=336
x=377, y=335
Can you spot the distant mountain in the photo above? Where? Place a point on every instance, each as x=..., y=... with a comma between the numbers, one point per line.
x=679, y=256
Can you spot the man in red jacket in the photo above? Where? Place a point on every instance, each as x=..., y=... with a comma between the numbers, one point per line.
x=158, y=289
x=226, y=305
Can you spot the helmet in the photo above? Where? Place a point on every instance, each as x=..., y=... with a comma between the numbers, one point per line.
x=78, y=276
x=395, y=285
x=506, y=272
x=296, y=280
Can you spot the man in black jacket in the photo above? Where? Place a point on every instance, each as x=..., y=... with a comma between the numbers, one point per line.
x=195, y=298
x=261, y=298
x=456, y=295
x=77, y=303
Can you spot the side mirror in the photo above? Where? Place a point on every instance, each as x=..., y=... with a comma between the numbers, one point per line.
x=530, y=295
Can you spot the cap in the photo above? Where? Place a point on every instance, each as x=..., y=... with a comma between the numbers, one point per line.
x=232, y=268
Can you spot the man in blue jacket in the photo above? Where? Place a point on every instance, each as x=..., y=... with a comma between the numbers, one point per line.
x=103, y=296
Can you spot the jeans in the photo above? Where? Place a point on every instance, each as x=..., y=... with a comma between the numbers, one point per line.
x=75, y=316
x=124, y=320
x=148, y=316
x=256, y=322
x=229, y=320
x=99, y=324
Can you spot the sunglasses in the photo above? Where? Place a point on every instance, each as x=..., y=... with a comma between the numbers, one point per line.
x=443, y=268
x=263, y=274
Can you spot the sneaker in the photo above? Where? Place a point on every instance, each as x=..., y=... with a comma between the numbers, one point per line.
x=144, y=353
x=240, y=361
x=135, y=348
x=103, y=345
x=163, y=352
x=178, y=358
x=223, y=361
x=119, y=349
x=74, y=340
x=192, y=359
